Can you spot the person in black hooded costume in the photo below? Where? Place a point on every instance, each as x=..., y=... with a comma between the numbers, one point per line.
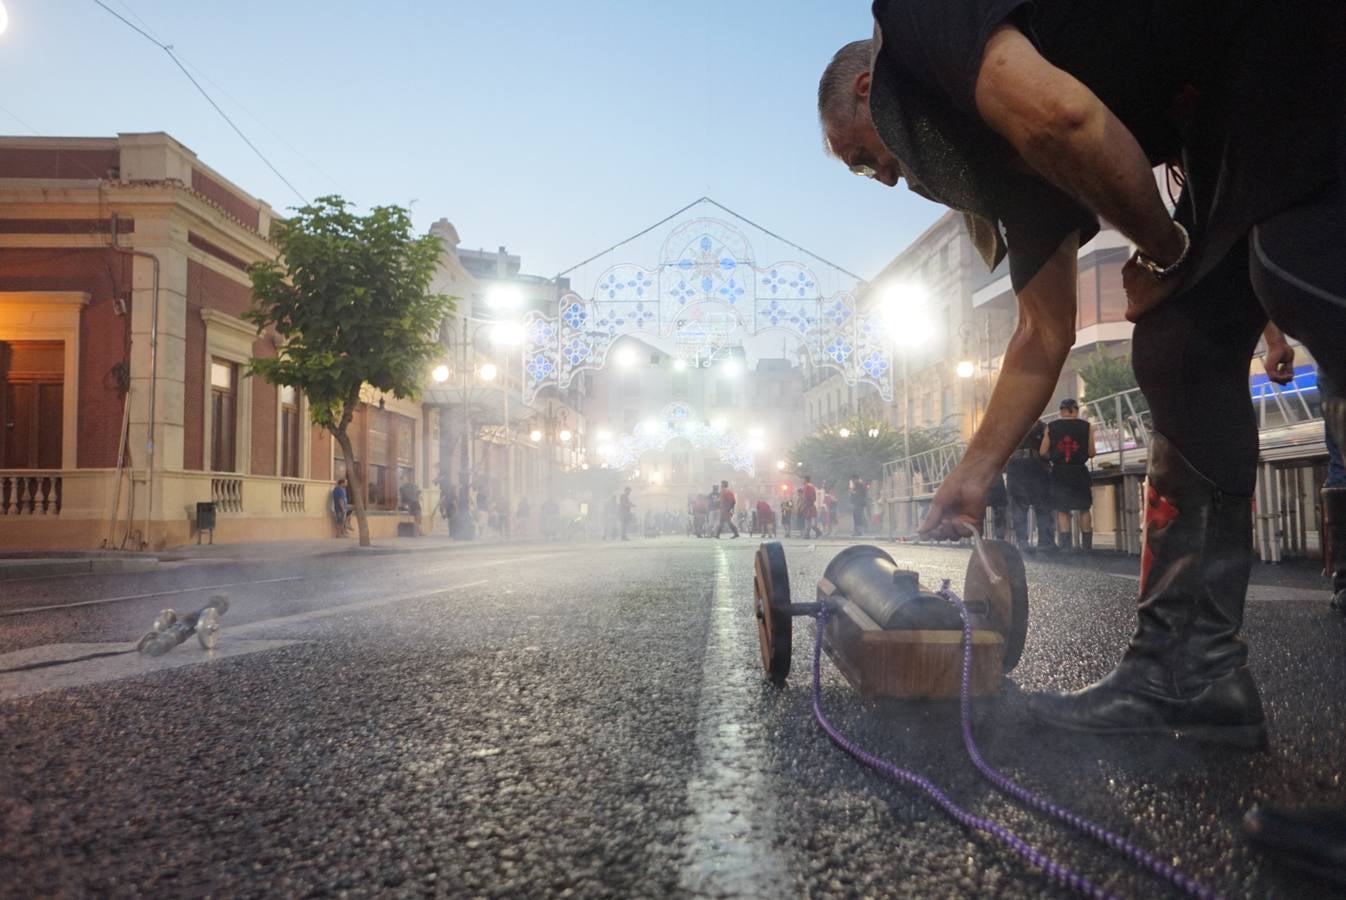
x=1036, y=118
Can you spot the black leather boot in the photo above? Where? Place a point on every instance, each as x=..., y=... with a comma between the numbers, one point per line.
x=1086, y=541
x=1065, y=541
x=1334, y=527
x=1310, y=839
x=1185, y=670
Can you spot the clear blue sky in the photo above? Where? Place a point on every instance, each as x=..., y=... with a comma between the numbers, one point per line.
x=556, y=129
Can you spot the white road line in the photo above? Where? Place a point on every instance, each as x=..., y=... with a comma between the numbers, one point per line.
x=102, y=600
x=237, y=641
x=729, y=847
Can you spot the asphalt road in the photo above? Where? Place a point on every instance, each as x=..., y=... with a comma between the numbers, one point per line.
x=590, y=721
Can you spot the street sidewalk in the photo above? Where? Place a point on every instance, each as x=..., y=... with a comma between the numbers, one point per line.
x=39, y=564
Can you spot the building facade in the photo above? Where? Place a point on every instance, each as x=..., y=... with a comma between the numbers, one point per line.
x=123, y=361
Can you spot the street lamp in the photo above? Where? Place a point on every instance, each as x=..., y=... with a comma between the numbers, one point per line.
x=504, y=297
x=845, y=432
x=780, y=465
x=565, y=435
x=679, y=365
x=731, y=368
x=535, y=436
x=440, y=374
x=965, y=369
x=488, y=372
x=625, y=358
x=873, y=432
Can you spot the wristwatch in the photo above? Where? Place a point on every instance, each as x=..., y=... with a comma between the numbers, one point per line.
x=1157, y=269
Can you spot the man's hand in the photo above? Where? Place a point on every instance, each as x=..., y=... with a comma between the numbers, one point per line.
x=959, y=503
x=1143, y=291
x=1280, y=359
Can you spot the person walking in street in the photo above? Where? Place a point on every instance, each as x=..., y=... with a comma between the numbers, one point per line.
x=787, y=514
x=627, y=512
x=1069, y=444
x=859, y=495
x=811, y=508
x=727, y=503
x=1028, y=484
x=766, y=519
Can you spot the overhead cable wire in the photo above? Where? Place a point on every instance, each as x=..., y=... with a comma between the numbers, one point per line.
x=168, y=49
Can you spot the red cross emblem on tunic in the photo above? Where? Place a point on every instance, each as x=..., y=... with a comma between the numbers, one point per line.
x=1067, y=447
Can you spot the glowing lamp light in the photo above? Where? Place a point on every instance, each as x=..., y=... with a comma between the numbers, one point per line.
x=845, y=432
x=785, y=489
x=731, y=368
x=756, y=431
x=489, y=371
x=535, y=436
x=625, y=358
x=718, y=423
x=759, y=446
x=4, y=19
x=965, y=369
x=604, y=434
x=504, y=296
x=679, y=365
x=440, y=374
x=656, y=478
x=604, y=450
x=651, y=426
x=873, y=432
x=780, y=465
x=507, y=334
x=565, y=435
x=585, y=467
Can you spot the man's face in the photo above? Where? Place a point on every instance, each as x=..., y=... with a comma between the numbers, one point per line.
x=854, y=140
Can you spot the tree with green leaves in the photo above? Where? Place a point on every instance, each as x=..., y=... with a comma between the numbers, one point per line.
x=831, y=459
x=349, y=297
x=1107, y=375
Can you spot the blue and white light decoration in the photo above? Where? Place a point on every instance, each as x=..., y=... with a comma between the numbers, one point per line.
x=676, y=422
x=707, y=270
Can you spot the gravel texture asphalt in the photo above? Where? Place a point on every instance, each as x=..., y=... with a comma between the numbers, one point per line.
x=590, y=720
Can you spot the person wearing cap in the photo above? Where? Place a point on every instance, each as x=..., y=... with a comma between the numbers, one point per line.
x=1069, y=444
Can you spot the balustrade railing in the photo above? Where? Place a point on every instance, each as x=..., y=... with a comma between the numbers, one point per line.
x=292, y=496
x=30, y=493
x=227, y=494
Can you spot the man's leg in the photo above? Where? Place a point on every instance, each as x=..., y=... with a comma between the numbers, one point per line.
x=1064, y=534
x=1300, y=276
x=1086, y=530
x=1185, y=668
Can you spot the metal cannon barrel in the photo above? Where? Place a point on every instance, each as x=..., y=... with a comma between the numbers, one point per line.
x=891, y=596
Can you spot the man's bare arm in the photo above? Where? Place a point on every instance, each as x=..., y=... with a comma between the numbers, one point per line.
x=1065, y=133
x=1093, y=443
x=1033, y=362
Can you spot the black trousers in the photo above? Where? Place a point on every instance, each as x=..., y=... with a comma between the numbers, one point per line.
x=1191, y=354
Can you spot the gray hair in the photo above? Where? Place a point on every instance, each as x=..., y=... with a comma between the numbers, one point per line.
x=834, y=88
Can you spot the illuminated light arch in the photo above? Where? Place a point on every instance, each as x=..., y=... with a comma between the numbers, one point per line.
x=676, y=422
x=703, y=273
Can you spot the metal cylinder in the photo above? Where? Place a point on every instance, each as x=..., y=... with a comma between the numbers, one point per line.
x=891, y=596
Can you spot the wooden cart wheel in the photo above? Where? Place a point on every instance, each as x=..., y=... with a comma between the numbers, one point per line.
x=1007, y=601
x=771, y=600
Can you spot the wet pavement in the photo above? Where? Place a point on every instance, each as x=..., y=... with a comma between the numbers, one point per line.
x=589, y=720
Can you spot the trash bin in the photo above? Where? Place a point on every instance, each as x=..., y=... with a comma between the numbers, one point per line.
x=205, y=520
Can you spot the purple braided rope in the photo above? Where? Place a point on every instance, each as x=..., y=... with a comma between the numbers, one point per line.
x=1058, y=872
x=1006, y=785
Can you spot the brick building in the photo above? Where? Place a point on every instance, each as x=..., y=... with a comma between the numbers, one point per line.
x=116, y=421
